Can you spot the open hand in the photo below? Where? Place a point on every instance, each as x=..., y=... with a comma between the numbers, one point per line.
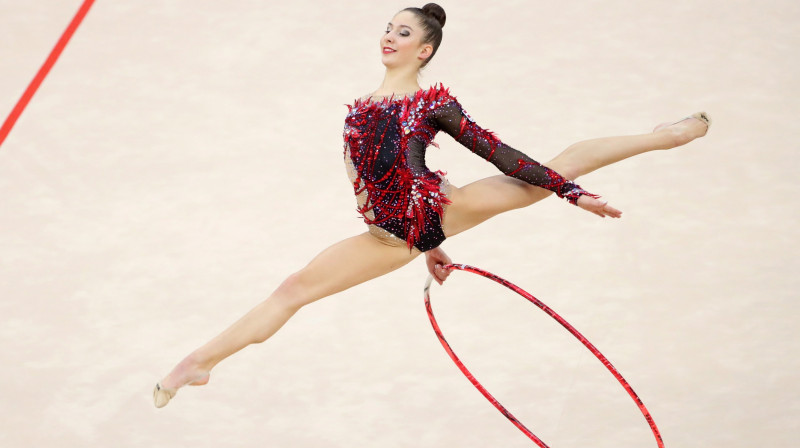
x=598, y=207
x=436, y=259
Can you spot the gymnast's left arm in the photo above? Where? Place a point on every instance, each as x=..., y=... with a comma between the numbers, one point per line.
x=451, y=118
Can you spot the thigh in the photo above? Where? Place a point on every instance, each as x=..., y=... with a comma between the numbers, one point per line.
x=476, y=202
x=350, y=262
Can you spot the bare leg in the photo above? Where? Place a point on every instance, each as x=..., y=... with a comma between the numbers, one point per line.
x=589, y=155
x=339, y=267
x=361, y=258
x=483, y=199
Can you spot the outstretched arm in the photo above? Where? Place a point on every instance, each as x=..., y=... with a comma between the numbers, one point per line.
x=451, y=118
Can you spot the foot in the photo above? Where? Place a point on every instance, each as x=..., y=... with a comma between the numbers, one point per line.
x=685, y=130
x=187, y=372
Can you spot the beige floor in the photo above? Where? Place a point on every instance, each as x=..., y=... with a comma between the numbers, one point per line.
x=184, y=156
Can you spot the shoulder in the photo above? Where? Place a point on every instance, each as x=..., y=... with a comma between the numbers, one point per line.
x=438, y=98
x=437, y=93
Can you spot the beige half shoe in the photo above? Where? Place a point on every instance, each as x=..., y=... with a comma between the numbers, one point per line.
x=161, y=396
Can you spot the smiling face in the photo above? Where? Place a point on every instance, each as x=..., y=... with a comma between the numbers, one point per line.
x=402, y=45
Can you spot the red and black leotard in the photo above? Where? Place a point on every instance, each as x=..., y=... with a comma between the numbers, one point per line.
x=384, y=148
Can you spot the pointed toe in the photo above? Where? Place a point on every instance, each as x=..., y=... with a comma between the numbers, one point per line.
x=162, y=396
x=704, y=117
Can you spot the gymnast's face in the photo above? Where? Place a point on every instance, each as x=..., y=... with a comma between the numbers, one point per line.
x=401, y=44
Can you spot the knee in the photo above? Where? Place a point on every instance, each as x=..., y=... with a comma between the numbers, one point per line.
x=293, y=292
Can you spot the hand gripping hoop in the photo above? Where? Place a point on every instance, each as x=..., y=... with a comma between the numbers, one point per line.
x=559, y=319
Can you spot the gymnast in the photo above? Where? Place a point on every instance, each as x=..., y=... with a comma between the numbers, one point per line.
x=409, y=209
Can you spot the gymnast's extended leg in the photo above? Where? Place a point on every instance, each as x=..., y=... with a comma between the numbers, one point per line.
x=485, y=198
x=339, y=267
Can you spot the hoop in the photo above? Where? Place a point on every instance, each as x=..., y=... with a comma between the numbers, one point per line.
x=560, y=320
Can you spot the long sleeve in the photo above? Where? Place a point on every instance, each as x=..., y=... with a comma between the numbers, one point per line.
x=451, y=118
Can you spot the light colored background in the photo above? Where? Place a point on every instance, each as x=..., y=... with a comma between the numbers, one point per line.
x=184, y=156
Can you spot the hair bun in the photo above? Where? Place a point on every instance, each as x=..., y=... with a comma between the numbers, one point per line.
x=435, y=11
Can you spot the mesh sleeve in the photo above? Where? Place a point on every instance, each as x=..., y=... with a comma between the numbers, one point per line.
x=452, y=119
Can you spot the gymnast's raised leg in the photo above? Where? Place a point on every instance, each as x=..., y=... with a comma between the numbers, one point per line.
x=485, y=198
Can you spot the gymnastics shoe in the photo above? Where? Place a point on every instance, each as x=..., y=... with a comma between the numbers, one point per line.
x=702, y=116
x=683, y=134
x=162, y=395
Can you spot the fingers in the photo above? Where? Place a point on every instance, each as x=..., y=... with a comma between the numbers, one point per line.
x=440, y=273
x=608, y=210
x=435, y=269
x=435, y=272
x=598, y=207
x=436, y=259
x=612, y=212
x=602, y=209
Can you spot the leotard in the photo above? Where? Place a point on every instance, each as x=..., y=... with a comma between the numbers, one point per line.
x=398, y=197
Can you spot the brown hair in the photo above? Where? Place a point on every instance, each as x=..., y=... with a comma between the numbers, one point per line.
x=432, y=18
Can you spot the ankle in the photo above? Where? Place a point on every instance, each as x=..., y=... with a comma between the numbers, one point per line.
x=198, y=362
x=189, y=370
x=668, y=138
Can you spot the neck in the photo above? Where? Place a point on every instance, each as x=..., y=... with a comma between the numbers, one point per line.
x=399, y=80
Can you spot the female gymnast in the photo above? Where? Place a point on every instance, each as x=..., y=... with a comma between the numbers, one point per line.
x=409, y=209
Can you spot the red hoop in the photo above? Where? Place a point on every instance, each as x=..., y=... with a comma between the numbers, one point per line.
x=560, y=320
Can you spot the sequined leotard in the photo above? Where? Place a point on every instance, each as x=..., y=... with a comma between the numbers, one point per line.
x=384, y=149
